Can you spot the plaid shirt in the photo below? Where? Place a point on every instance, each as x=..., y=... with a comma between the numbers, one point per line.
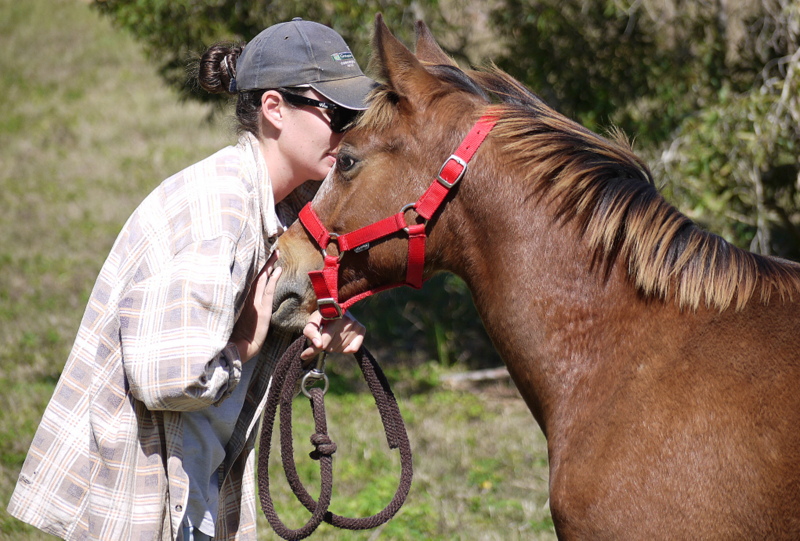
x=106, y=460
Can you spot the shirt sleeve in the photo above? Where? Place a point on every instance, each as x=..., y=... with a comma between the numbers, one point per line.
x=175, y=327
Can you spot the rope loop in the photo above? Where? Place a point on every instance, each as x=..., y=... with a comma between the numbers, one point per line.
x=281, y=393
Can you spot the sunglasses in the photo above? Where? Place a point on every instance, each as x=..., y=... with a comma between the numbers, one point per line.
x=341, y=117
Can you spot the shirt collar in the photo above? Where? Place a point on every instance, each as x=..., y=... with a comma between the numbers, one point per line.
x=271, y=223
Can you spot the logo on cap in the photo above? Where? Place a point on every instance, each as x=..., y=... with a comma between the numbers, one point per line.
x=345, y=58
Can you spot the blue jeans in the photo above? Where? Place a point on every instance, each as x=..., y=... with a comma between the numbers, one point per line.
x=193, y=534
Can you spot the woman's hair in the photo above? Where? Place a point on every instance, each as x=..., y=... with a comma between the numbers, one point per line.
x=217, y=68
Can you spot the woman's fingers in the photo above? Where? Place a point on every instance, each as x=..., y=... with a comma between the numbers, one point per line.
x=267, y=281
x=345, y=335
x=270, y=286
x=312, y=330
x=250, y=330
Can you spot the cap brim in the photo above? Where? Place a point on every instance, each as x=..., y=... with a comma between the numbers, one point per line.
x=350, y=93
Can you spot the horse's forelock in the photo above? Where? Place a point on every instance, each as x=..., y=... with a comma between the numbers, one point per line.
x=382, y=111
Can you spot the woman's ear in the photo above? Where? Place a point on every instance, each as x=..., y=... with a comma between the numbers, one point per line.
x=273, y=110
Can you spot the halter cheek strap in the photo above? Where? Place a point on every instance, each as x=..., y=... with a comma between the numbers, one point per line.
x=326, y=281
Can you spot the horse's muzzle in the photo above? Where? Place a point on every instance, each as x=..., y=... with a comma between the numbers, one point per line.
x=294, y=297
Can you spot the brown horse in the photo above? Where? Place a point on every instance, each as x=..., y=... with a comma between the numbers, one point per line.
x=661, y=362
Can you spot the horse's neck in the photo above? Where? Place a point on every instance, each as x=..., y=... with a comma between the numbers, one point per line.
x=550, y=314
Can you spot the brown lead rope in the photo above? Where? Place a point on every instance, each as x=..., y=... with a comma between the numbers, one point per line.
x=282, y=391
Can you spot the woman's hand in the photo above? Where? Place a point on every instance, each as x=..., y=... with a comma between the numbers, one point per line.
x=343, y=335
x=250, y=331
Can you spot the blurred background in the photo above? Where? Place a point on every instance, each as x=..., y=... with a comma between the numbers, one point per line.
x=708, y=89
x=97, y=109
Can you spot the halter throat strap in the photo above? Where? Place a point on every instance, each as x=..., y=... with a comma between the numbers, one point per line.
x=326, y=280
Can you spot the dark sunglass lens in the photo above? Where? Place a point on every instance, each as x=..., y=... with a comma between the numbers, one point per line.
x=342, y=118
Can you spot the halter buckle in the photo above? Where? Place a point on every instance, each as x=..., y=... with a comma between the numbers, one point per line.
x=450, y=183
x=323, y=304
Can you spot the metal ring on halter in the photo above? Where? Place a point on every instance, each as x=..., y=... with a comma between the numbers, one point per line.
x=324, y=249
x=406, y=208
x=314, y=375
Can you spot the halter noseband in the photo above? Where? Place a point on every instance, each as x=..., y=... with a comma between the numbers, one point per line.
x=325, y=281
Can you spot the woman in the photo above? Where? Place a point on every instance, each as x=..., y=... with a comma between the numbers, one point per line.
x=151, y=429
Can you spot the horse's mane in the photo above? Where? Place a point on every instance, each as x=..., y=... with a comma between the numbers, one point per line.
x=603, y=186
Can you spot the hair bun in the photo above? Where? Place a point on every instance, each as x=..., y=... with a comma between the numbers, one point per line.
x=217, y=70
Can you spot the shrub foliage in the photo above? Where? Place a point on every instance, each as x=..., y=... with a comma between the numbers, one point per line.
x=709, y=90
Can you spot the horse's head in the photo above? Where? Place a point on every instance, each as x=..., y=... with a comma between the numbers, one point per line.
x=386, y=161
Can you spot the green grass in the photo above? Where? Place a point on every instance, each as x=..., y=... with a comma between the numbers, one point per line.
x=87, y=130
x=479, y=467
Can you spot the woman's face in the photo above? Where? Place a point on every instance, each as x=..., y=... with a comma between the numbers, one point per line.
x=308, y=141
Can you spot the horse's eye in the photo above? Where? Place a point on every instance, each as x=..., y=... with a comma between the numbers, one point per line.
x=345, y=162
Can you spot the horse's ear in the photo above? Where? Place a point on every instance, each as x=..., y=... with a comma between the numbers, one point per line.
x=399, y=68
x=428, y=50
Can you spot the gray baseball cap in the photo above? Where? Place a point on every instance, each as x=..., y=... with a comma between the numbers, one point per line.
x=304, y=53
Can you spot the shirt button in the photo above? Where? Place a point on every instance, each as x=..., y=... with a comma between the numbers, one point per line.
x=178, y=508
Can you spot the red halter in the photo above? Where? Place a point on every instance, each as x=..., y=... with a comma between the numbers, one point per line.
x=325, y=281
